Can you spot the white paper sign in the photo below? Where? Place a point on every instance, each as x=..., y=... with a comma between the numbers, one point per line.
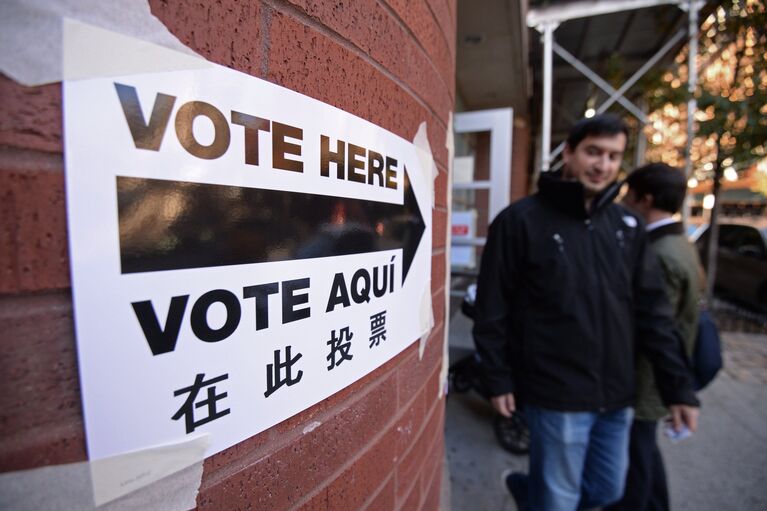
x=239, y=251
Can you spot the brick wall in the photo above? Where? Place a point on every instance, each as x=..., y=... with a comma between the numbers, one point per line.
x=379, y=444
x=520, y=156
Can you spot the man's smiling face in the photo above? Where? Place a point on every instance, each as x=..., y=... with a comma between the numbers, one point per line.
x=595, y=161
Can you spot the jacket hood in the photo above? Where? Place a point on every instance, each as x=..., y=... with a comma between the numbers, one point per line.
x=569, y=195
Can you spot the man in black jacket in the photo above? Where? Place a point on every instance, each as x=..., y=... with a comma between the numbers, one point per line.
x=567, y=293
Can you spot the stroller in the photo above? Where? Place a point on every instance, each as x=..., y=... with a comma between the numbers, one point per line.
x=466, y=374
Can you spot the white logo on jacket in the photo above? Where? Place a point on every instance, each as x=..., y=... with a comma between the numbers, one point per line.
x=630, y=221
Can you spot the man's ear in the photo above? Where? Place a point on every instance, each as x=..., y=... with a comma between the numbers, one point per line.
x=647, y=201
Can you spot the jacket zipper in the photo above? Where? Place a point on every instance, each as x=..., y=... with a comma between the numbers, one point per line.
x=600, y=307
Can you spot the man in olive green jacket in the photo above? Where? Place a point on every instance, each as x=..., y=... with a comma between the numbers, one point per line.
x=656, y=192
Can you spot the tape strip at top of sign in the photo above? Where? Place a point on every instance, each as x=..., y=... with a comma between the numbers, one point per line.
x=233, y=239
x=32, y=36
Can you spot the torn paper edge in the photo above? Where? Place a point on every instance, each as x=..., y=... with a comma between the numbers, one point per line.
x=32, y=38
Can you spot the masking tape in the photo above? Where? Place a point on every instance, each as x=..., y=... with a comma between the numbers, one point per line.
x=426, y=158
x=163, y=478
x=32, y=36
x=426, y=315
x=119, y=475
x=430, y=173
x=450, y=145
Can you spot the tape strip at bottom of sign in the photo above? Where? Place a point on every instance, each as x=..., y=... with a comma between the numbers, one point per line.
x=161, y=478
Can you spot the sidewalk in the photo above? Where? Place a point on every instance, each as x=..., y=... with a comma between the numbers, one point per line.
x=722, y=467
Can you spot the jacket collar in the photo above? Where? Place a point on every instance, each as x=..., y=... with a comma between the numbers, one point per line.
x=568, y=195
x=665, y=230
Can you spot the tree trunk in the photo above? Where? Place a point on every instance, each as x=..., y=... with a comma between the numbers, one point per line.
x=713, y=231
x=713, y=223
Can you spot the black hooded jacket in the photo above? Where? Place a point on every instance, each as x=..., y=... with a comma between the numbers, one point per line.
x=565, y=296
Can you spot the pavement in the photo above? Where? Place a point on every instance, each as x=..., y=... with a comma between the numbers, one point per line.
x=721, y=467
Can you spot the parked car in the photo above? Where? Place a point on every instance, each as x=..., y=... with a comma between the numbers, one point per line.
x=741, y=269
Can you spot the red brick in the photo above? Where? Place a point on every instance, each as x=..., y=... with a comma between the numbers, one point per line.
x=358, y=483
x=432, y=387
x=434, y=350
x=411, y=422
x=218, y=466
x=430, y=477
x=434, y=427
x=30, y=117
x=438, y=306
x=520, y=153
x=307, y=61
x=421, y=22
x=410, y=377
x=413, y=373
x=318, y=502
x=438, y=264
x=437, y=132
x=361, y=481
x=396, y=74
x=411, y=500
x=340, y=399
x=226, y=32
x=281, y=479
x=368, y=26
x=289, y=430
x=247, y=48
x=434, y=344
x=311, y=62
x=433, y=494
x=32, y=228
x=409, y=467
x=433, y=463
x=446, y=13
x=41, y=418
x=438, y=228
x=436, y=335
x=440, y=190
x=384, y=500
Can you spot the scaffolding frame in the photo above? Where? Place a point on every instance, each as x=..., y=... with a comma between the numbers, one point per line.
x=546, y=20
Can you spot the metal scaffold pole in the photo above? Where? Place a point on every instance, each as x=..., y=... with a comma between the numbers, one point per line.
x=548, y=46
x=547, y=19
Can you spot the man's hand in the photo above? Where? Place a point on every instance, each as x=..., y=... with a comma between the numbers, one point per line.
x=504, y=404
x=683, y=414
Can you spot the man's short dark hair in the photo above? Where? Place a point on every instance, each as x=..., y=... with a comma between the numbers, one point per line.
x=600, y=125
x=666, y=185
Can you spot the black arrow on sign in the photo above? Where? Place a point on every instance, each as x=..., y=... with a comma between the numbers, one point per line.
x=173, y=225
